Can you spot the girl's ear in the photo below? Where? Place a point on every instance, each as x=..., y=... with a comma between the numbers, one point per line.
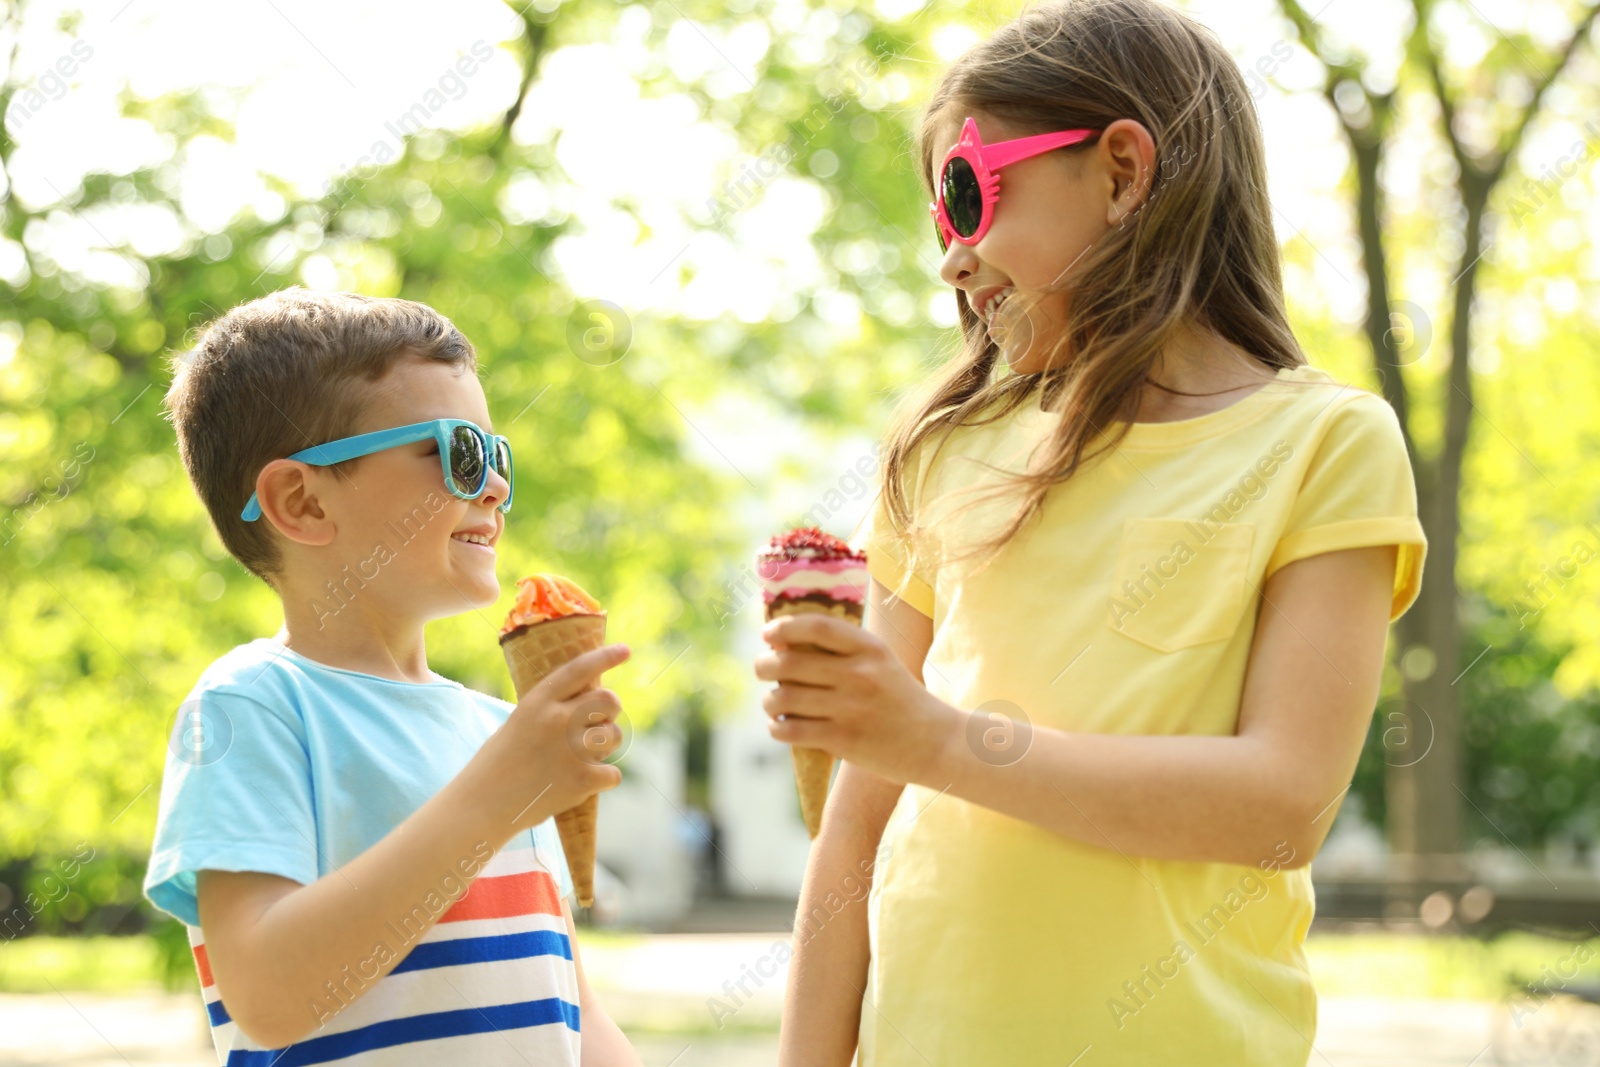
x=1128, y=153
x=286, y=491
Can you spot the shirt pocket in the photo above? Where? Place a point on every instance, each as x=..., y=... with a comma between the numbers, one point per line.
x=1173, y=588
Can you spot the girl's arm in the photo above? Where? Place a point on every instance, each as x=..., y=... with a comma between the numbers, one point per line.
x=602, y=1042
x=822, y=1004
x=1268, y=793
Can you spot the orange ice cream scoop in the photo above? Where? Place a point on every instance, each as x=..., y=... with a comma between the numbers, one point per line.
x=542, y=597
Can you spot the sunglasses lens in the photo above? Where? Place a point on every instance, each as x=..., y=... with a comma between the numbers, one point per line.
x=502, y=464
x=963, y=199
x=466, y=461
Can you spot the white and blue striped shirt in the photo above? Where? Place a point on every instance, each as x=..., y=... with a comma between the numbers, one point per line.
x=287, y=766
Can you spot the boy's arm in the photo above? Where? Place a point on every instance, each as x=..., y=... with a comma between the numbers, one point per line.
x=273, y=943
x=827, y=978
x=604, y=1044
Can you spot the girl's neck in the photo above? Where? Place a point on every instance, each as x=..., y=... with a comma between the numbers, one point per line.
x=1198, y=373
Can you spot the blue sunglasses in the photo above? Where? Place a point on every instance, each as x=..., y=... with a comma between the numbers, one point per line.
x=465, y=455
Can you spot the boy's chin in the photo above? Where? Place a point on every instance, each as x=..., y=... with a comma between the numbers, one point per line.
x=475, y=591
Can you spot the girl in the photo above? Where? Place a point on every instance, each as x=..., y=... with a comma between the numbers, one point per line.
x=1133, y=565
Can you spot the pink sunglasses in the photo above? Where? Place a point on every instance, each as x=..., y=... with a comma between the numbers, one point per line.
x=969, y=182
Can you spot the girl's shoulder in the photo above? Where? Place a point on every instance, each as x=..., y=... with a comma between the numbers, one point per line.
x=1321, y=397
x=1313, y=380
x=1333, y=421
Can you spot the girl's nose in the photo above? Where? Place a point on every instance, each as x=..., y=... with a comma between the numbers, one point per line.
x=959, y=263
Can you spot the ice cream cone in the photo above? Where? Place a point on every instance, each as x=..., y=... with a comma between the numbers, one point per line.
x=813, y=768
x=805, y=572
x=532, y=652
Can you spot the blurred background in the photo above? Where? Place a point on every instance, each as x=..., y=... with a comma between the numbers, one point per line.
x=690, y=245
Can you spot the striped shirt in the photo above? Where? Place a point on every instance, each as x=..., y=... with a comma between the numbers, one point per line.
x=293, y=768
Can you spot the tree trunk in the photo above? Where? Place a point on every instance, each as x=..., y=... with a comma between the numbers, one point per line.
x=1427, y=789
x=1421, y=739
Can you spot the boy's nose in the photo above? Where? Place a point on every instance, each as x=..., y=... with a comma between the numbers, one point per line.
x=495, y=489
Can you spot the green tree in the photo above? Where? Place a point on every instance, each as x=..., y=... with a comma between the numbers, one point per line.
x=1483, y=128
x=117, y=591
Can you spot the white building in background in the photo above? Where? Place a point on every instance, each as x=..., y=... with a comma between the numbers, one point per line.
x=762, y=835
x=645, y=874
x=651, y=843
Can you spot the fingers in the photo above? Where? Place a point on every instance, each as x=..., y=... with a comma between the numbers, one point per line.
x=806, y=701
x=597, y=741
x=807, y=733
x=572, y=678
x=828, y=631
x=592, y=729
x=800, y=667
x=597, y=705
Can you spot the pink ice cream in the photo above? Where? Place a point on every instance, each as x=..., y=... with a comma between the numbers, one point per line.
x=809, y=565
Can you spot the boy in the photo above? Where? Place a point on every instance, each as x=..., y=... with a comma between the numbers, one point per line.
x=362, y=849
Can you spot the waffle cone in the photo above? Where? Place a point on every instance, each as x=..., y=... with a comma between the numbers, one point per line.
x=813, y=768
x=532, y=652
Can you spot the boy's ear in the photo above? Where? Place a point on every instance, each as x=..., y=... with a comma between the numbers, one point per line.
x=287, y=492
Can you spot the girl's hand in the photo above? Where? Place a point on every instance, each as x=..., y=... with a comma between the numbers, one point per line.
x=853, y=698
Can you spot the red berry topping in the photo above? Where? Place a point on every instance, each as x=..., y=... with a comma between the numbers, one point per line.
x=809, y=541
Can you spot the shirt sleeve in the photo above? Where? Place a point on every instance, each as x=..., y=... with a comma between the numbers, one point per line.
x=886, y=556
x=1358, y=492
x=236, y=796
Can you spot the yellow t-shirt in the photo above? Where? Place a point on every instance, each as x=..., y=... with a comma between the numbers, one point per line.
x=1127, y=606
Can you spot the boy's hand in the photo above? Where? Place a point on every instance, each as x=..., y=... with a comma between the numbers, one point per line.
x=546, y=757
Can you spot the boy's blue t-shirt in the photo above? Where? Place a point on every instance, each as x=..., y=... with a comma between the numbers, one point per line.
x=287, y=766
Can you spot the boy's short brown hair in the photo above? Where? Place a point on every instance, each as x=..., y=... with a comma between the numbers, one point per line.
x=283, y=373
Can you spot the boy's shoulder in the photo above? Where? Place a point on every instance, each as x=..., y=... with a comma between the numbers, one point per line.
x=267, y=672
x=269, y=660
x=243, y=664
x=261, y=671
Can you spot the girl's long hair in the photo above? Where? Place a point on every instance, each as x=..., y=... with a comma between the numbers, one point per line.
x=1200, y=251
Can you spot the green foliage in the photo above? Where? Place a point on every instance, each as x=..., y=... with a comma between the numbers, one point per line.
x=117, y=591
x=1532, y=756
x=99, y=964
x=1395, y=965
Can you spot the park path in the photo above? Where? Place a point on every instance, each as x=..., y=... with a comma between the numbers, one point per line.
x=661, y=989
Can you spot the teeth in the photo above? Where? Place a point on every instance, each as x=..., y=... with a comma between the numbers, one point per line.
x=473, y=538
x=989, y=306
